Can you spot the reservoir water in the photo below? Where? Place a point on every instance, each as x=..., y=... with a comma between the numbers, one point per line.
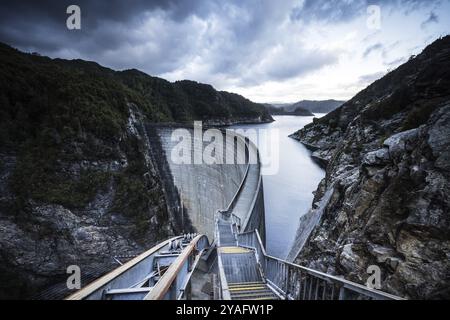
x=288, y=192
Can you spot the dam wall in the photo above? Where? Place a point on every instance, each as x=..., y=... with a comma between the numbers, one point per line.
x=205, y=188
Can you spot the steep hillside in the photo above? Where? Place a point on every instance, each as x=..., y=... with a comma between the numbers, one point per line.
x=385, y=199
x=80, y=178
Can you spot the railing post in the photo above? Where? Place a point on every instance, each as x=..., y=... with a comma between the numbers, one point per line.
x=305, y=286
x=316, y=296
x=188, y=292
x=299, y=279
x=324, y=293
x=342, y=293
x=310, y=284
x=287, y=281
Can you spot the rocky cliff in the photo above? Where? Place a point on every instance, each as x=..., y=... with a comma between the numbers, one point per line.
x=384, y=200
x=84, y=212
x=82, y=175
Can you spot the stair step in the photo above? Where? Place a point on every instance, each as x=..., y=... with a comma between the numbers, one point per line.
x=253, y=294
x=251, y=291
x=242, y=284
x=256, y=298
x=266, y=298
x=265, y=291
x=248, y=288
x=233, y=250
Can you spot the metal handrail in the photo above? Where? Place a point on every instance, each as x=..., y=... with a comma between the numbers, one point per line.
x=93, y=287
x=223, y=283
x=297, y=282
x=163, y=286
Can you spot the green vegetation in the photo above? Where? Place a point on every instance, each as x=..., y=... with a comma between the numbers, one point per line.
x=54, y=113
x=45, y=183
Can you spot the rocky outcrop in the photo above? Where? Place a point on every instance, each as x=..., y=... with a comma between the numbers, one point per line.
x=386, y=153
x=126, y=214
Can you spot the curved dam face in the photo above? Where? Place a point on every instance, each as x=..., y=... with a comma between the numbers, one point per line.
x=232, y=182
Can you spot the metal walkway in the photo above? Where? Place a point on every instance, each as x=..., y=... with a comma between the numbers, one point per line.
x=240, y=274
x=240, y=265
x=226, y=235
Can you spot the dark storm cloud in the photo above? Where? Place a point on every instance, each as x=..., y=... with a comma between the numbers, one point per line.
x=241, y=42
x=41, y=24
x=98, y=10
x=156, y=36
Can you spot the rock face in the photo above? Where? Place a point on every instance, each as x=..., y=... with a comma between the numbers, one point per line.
x=387, y=158
x=125, y=216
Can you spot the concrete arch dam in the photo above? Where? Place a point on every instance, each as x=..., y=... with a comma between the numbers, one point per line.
x=204, y=189
x=224, y=202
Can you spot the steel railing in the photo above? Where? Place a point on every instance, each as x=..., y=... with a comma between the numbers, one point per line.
x=295, y=282
x=176, y=281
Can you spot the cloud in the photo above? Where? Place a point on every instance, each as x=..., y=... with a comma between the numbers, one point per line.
x=286, y=62
x=372, y=48
x=433, y=18
x=336, y=11
x=228, y=43
x=395, y=63
x=367, y=79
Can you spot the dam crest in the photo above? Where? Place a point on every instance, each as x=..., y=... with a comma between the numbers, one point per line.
x=205, y=189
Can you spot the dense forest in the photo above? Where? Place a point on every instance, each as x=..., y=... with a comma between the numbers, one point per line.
x=38, y=93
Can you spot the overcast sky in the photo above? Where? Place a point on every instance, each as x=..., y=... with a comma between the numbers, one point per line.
x=268, y=51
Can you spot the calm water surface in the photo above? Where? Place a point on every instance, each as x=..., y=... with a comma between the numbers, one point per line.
x=288, y=193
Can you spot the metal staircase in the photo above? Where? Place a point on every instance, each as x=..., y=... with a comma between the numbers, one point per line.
x=248, y=272
x=240, y=275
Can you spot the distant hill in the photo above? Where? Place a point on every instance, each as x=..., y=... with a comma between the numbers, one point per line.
x=282, y=111
x=324, y=106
